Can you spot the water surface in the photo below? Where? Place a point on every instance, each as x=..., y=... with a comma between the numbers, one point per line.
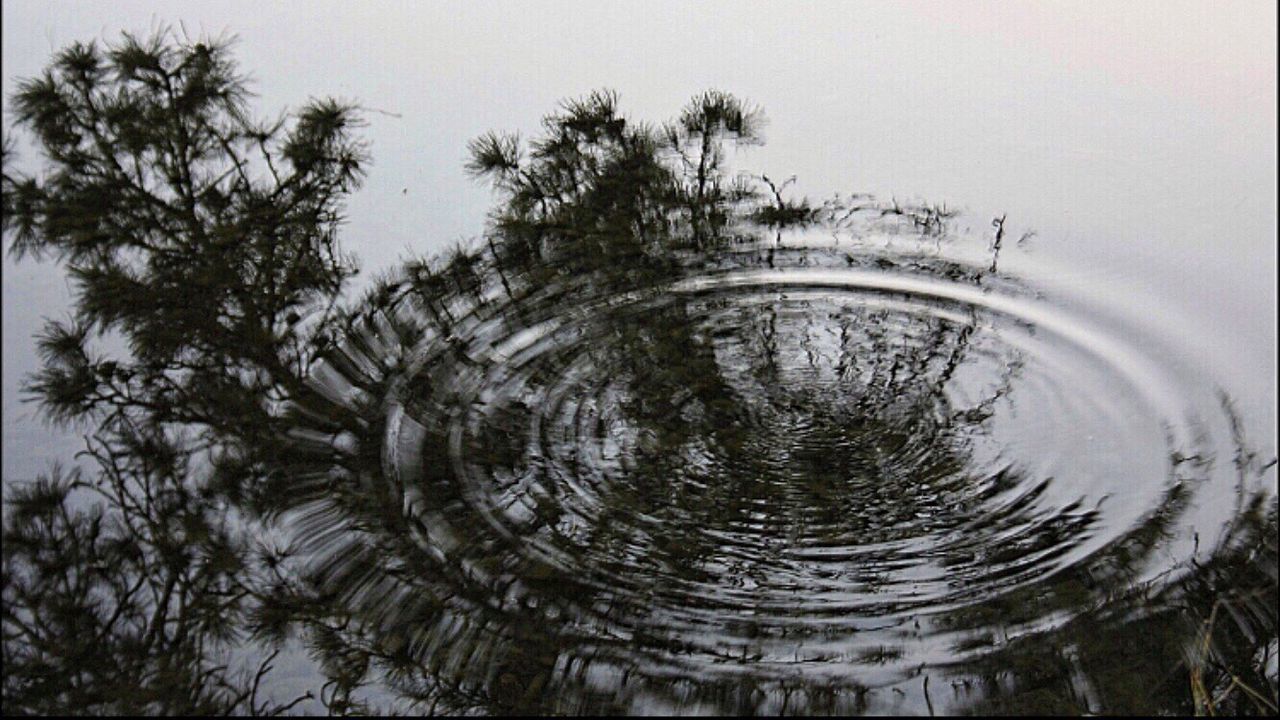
x=859, y=470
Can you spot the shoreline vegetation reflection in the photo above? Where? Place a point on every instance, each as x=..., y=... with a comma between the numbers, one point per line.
x=664, y=439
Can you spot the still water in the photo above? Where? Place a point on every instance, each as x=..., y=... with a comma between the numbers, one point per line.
x=885, y=466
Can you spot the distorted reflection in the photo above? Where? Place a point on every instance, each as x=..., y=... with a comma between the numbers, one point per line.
x=789, y=474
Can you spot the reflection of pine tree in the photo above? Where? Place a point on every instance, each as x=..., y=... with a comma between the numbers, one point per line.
x=132, y=605
x=598, y=189
x=207, y=242
x=599, y=206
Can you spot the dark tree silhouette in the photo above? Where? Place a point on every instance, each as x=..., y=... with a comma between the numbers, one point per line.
x=207, y=242
x=597, y=188
x=204, y=238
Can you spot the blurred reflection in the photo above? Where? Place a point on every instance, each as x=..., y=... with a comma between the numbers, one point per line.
x=768, y=476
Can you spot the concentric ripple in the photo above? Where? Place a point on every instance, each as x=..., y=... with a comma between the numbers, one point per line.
x=775, y=481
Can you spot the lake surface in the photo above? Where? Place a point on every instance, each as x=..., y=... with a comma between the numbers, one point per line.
x=880, y=467
x=789, y=482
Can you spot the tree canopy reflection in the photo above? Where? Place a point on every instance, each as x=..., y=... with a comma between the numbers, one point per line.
x=548, y=471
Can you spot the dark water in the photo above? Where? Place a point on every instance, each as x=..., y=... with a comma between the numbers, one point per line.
x=868, y=472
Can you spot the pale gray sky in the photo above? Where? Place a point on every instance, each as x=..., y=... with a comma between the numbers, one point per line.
x=1138, y=139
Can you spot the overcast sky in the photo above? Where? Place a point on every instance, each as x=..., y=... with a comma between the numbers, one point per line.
x=1138, y=139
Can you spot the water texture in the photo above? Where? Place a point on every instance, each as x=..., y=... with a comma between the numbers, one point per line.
x=801, y=473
